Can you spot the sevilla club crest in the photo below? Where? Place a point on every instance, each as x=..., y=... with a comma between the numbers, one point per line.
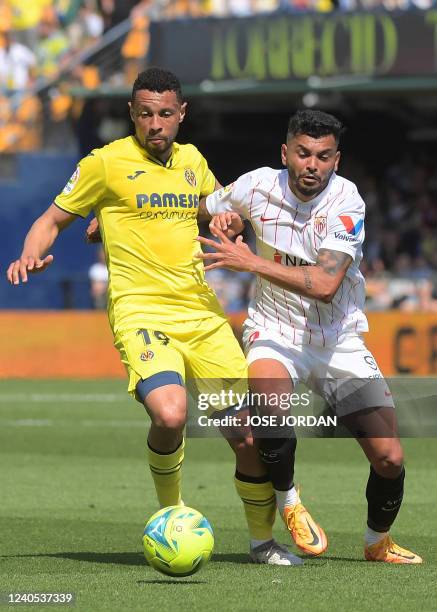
x=320, y=226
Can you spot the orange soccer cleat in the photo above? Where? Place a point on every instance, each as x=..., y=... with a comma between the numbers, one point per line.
x=387, y=551
x=306, y=533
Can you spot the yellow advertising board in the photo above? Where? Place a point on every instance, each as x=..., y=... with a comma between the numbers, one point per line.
x=78, y=344
x=404, y=343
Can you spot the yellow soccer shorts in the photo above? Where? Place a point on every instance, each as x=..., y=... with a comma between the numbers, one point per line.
x=203, y=354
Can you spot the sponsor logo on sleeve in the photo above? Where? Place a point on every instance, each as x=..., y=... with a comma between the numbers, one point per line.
x=345, y=237
x=221, y=193
x=72, y=181
x=352, y=228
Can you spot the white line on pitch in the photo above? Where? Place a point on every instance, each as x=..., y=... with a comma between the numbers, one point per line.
x=83, y=423
x=63, y=397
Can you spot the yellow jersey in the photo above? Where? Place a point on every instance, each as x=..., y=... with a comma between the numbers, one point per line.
x=147, y=213
x=27, y=15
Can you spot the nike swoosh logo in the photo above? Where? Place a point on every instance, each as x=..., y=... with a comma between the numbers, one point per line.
x=314, y=534
x=264, y=219
x=393, y=552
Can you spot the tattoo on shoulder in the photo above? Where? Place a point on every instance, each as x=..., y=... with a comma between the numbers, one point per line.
x=333, y=262
x=307, y=278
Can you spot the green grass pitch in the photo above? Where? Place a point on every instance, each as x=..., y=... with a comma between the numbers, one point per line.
x=75, y=493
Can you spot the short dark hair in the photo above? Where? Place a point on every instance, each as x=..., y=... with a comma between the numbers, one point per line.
x=157, y=79
x=314, y=123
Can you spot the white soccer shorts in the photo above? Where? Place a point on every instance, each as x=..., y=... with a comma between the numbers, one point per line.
x=346, y=375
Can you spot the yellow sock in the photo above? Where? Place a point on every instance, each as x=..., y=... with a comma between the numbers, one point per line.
x=259, y=506
x=166, y=474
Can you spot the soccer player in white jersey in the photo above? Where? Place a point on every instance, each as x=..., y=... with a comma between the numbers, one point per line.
x=306, y=320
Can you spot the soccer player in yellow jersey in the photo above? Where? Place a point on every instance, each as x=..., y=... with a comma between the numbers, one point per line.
x=168, y=326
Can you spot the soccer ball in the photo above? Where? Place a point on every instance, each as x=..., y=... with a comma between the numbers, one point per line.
x=178, y=541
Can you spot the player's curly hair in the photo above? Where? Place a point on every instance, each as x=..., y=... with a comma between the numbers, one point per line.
x=314, y=123
x=157, y=79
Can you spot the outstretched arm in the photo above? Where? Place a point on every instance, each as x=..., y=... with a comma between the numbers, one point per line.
x=39, y=239
x=320, y=281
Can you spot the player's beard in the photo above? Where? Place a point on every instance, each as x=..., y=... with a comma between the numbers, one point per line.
x=158, y=150
x=307, y=191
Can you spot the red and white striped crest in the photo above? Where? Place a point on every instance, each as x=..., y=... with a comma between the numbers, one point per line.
x=320, y=225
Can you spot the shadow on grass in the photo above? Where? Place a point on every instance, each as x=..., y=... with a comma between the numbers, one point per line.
x=173, y=581
x=122, y=558
x=308, y=560
x=243, y=559
x=118, y=558
x=137, y=559
x=230, y=558
x=331, y=558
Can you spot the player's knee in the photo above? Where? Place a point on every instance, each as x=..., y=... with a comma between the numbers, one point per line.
x=242, y=443
x=390, y=462
x=171, y=417
x=245, y=445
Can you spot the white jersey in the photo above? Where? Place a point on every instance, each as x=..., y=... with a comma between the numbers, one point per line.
x=291, y=232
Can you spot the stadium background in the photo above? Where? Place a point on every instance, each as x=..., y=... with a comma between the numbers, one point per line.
x=66, y=69
x=246, y=66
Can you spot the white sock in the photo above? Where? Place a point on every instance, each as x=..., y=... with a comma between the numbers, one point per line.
x=255, y=543
x=286, y=498
x=372, y=537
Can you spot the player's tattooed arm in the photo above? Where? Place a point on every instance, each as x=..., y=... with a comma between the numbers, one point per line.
x=307, y=277
x=320, y=281
x=333, y=262
x=333, y=266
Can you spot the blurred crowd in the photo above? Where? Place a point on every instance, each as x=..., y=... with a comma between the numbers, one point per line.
x=40, y=40
x=245, y=8
x=400, y=254
x=49, y=46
